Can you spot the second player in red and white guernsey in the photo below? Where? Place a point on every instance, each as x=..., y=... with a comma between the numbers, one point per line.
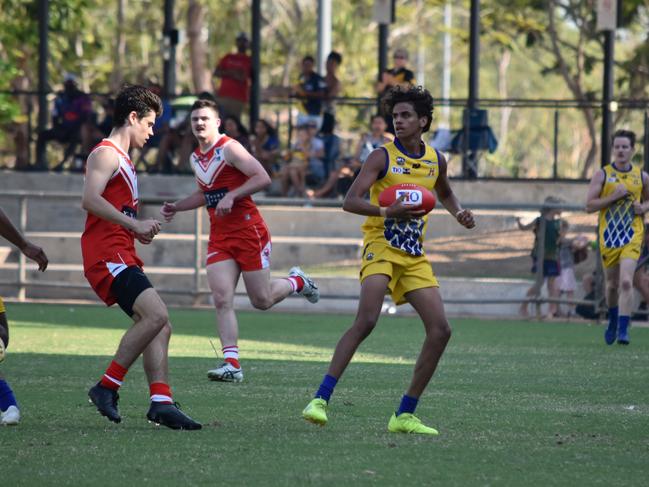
x=239, y=244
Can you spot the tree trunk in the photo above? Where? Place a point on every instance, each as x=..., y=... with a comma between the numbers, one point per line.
x=197, y=48
x=119, y=49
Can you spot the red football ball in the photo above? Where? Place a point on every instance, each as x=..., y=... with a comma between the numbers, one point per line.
x=413, y=195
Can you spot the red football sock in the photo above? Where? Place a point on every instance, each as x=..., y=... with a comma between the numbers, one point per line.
x=231, y=355
x=114, y=376
x=160, y=392
x=297, y=283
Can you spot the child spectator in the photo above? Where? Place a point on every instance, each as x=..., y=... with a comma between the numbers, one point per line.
x=550, y=265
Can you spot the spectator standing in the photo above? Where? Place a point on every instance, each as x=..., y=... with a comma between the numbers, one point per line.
x=334, y=88
x=312, y=90
x=399, y=75
x=235, y=72
x=550, y=264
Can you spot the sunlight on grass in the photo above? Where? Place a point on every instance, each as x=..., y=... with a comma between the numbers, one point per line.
x=32, y=337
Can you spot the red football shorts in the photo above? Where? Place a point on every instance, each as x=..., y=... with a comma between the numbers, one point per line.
x=250, y=248
x=101, y=275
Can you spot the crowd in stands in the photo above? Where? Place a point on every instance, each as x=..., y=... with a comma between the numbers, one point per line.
x=315, y=163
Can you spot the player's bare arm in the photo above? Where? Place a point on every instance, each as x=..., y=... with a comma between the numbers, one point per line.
x=191, y=202
x=356, y=203
x=101, y=165
x=593, y=200
x=449, y=200
x=258, y=178
x=11, y=233
x=641, y=207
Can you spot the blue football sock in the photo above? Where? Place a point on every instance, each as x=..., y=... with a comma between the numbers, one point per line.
x=7, y=397
x=623, y=323
x=613, y=317
x=326, y=389
x=408, y=405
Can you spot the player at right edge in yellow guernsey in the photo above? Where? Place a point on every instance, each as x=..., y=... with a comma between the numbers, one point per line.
x=620, y=192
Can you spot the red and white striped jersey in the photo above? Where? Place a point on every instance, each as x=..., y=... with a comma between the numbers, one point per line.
x=215, y=177
x=103, y=240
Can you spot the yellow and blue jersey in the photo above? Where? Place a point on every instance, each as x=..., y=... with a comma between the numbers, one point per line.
x=619, y=226
x=402, y=167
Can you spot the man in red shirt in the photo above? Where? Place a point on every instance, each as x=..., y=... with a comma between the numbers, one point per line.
x=239, y=244
x=113, y=268
x=235, y=71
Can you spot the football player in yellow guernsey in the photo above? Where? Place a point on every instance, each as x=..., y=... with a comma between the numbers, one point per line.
x=393, y=258
x=620, y=192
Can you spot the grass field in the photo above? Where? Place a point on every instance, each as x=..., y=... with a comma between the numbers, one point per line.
x=517, y=403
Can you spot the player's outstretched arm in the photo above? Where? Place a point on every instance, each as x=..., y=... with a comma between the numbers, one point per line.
x=101, y=165
x=11, y=233
x=593, y=200
x=245, y=162
x=355, y=201
x=191, y=202
x=449, y=200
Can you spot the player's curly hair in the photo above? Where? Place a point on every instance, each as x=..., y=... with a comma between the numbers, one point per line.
x=418, y=96
x=138, y=99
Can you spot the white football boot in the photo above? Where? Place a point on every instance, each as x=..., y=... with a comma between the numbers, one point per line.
x=10, y=417
x=226, y=373
x=309, y=290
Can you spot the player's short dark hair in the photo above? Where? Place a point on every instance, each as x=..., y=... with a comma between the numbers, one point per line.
x=138, y=99
x=418, y=96
x=335, y=56
x=206, y=103
x=308, y=58
x=629, y=134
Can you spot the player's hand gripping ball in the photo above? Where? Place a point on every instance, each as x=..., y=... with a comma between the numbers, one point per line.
x=413, y=195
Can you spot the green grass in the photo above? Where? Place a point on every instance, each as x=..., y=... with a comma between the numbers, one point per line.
x=517, y=404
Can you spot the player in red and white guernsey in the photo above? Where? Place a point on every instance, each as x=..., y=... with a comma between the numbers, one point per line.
x=113, y=267
x=239, y=241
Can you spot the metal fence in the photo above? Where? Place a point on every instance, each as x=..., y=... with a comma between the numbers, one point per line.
x=537, y=139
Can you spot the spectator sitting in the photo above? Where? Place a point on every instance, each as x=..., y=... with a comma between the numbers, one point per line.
x=550, y=264
x=312, y=89
x=304, y=157
x=332, y=166
x=232, y=127
x=376, y=138
x=72, y=112
x=235, y=71
x=265, y=146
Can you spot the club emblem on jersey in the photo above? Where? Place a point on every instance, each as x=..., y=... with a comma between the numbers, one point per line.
x=401, y=161
x=369, y=256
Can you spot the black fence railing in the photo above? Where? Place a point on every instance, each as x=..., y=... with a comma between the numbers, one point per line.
x=507, y=138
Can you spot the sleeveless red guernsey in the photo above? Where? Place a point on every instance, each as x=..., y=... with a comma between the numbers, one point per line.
x=104, y=241
x=215, y=177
